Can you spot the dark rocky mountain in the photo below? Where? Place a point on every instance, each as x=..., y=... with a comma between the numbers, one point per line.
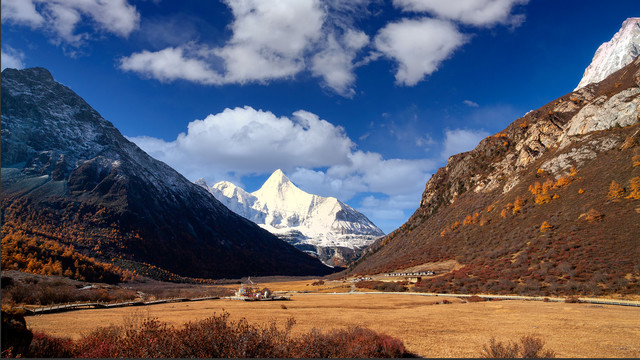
x=70, y=177
x=549, y=205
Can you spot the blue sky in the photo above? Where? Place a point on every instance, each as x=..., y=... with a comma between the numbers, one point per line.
x=361, y=100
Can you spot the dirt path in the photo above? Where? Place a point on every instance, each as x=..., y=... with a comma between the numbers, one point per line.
x=443, y=330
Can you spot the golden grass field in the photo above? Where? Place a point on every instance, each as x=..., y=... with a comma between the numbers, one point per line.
x=427, y=329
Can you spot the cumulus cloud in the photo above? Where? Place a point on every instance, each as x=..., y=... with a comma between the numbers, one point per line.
x=270, y=40
x=12, y=58
x=366, y=172
x=460, y=140
x=316, y=155
x=248, y=141
x=171, y=64
x=62, y=17
x=471, y=12
x=335, y=62
x=419, y=46
x=21, y=12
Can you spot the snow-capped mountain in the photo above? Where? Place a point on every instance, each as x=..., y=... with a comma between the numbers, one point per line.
x=69, y=176
x=323, y=226
x=615, y=54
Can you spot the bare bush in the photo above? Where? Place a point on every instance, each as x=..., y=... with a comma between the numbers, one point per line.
x=219, y=337
x=530, y=347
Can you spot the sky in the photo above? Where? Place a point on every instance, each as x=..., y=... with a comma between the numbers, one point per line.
x=362, y=100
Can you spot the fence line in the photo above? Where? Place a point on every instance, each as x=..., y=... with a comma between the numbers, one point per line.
x=106, y=305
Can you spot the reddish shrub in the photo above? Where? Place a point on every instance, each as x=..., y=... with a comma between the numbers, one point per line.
x=45, y=346
x=475, y=298
x=217, y=337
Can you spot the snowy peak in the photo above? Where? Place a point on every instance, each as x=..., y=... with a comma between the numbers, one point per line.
x=615, y=54
x=277, y=180
x=277, y=187
x=300, y=218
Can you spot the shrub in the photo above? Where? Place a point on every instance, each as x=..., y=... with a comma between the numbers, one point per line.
x=543, y=199
x=572, y=300
x=545, y=226
x=592, y=215
x=529, y=347
x=563, y=181
x=347, y=343
x=517, y=205
x=634, y=188
x=45, y=346
x=218, y=337
x=615, y=190
x=636, y=160
x=573, y=172
x=536, y=188
x=475, y=298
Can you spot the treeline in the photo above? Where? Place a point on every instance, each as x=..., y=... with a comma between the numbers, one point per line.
x=37, y=255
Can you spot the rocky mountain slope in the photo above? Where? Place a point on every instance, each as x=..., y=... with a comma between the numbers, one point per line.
x=615, y=54
x=322, y=226
x=71, y=179
x=549, y=205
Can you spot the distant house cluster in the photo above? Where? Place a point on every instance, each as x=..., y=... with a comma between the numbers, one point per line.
x=421, y=273
x=361, y=278
x=251, y=291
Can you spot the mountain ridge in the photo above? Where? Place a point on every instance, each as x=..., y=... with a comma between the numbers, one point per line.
x=322, y=226
x=69, y=175
x=546, y=206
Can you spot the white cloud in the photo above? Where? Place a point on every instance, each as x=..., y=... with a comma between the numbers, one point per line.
x=472, y=12
x=270, y=38
x=11, y=58
x=316, y=155
x=248, y=141
x=460, y=140
x=21, y=12
x=366, y=172
x=334, y=63
x=62, y=17
x=419, y=46
x=471, y=103
x=425, y=141
x=170, y=64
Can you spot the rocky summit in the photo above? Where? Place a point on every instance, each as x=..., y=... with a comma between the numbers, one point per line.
x=324, y=227
x=615, y=54
x=72, y=184
x=550, y=205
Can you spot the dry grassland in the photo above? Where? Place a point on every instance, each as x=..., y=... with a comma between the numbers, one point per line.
x=441, y=330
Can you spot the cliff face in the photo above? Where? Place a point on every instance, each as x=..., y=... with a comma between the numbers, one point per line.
x=69, y=176
x=485, y=208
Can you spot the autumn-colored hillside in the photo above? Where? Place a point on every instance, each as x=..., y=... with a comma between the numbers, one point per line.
x=539, y=208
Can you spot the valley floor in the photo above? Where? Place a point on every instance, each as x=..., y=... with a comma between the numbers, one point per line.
x=427, y=327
